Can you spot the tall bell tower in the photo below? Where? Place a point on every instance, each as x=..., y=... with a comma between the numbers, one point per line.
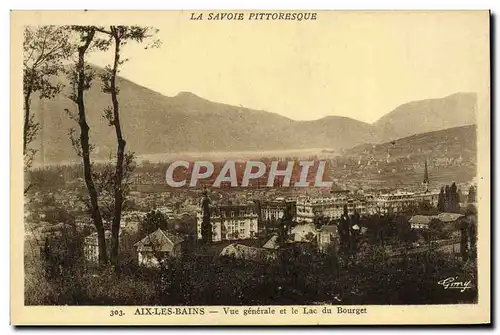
x=426, y=178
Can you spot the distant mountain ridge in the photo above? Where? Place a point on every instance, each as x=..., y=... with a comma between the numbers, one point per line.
x=154, y=123
x=428, y=115
x=451, y=155
x=456, y=142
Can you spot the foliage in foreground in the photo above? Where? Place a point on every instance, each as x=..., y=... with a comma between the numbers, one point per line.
x=303, y=278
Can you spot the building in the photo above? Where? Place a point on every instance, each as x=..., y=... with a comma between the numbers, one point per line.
x=253, y=254
x=275, y=210
x=305, y=210
x=431, y=197
x=420, y=222
x=400, y=201
x=364, y=204
x=131, y=227
x=304, y=232
x=369, y=204
x=231, y=222
x=327, y=236
x=332, y=207
x=83, y=221
x=423, y=221
x=132, y=216
x=158, y=246
x=272, y=243
x=393, y=202
x=91, y=246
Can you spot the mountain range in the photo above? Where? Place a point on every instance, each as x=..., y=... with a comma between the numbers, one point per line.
x=456, y=142
x=154, y=123
x=451, y=155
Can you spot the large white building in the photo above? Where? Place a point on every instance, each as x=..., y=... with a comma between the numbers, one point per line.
x=231, y=222
x=332, y=207
x=367, y=204
x=399, y=201
x=275, y=210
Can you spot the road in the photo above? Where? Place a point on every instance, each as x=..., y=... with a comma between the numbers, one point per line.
x=448, y=246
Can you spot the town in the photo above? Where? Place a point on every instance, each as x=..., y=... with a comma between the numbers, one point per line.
x=254, y=228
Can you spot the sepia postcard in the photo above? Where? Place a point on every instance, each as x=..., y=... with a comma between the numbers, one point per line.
x=250, y=167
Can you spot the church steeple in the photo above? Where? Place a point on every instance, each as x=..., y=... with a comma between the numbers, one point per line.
x=426, y=177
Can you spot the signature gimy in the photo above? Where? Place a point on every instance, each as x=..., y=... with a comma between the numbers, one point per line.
x=454, y=283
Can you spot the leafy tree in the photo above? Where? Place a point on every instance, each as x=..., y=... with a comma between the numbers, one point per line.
x=441, y=205
x=447, y=198
x=151, y=222
x=104, y=178
x=61, y=253
x=44, y=50
x=344, y=233
x=471, y=197
x=454, y=201
x=468, y=234
x=118, y=37
x=186, y=225
x=112, y=184
x=404, y=232
x=437, y=230
x=451, y=199
x=285, y=224
x=81, y=76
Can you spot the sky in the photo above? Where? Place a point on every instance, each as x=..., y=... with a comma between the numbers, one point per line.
x=359, y=65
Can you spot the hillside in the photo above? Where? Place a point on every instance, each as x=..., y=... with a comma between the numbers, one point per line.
x=154, y=123
x=455, y=142
x=450, y=154
x=428, y=115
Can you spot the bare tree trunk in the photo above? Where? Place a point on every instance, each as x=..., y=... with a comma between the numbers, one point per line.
x=27, y=103
x=27, y=97
x=84, y=139
x=120, y=153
